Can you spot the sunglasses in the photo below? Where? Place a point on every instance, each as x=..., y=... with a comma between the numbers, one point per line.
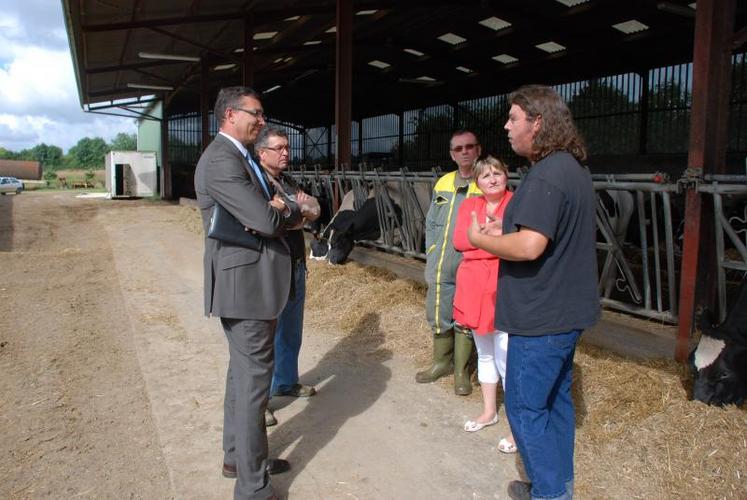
x=466, y=147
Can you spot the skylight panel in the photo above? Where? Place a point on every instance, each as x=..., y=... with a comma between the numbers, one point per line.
x=631, y=26
x=312, y=42
x=221, y=67
x=693, y=5
x=379, y=64
x=414, y=52
x=265, y=35
x=452, y=38
x=495, y=23
x=366, y=12
x=550, y=47
x=293, y=18
x=571, y=3
x=271, y=89
x=333, y=29
x=464, y=69
x=425, y=78
x=505, y=58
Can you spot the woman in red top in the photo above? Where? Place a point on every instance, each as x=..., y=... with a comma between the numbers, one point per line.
x=476, y=288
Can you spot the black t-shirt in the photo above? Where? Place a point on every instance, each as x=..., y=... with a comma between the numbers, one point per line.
x=557, y=292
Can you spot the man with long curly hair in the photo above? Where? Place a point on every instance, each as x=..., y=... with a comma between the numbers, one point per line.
x=548, y=286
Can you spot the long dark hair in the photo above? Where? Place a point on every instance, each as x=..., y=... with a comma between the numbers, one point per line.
x=557, y=132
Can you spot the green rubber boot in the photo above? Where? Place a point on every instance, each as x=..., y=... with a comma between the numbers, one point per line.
x=463, y=347
x=443, y=354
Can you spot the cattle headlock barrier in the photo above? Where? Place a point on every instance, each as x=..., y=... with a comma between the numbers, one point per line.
x=639, y=237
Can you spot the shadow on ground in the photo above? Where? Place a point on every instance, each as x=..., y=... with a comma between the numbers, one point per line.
x=352, y=377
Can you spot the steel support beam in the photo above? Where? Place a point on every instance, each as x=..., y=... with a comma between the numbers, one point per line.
x=344, y=83
x=714, y=27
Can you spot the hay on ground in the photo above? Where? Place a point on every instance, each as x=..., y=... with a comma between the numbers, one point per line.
x=638, y=435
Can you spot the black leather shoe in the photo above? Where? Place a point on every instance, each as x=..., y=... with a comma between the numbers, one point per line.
x=270, y=419
x=277, y=466
x=520, y=490
x=274, y=466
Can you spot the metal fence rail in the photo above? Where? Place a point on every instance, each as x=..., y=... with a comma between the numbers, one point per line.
x=639, y=276
x=639, y=265
x=729, y=195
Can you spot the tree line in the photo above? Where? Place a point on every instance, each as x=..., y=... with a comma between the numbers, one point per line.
x=88, y=153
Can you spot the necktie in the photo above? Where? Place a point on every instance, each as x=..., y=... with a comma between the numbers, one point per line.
x=258, y=173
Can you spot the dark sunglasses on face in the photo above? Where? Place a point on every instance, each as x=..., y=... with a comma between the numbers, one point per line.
x=466, y=147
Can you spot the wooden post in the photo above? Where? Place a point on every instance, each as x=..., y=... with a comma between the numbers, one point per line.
x=714, y=27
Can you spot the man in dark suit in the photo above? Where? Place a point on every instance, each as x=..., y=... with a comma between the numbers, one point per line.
x=246, y=288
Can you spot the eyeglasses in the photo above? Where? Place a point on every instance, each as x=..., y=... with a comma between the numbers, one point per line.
x=466, y=147
x=279, y=149
x=256, y=113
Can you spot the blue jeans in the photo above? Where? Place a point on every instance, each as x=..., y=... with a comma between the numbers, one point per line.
x=540, y=409
x=288, y=335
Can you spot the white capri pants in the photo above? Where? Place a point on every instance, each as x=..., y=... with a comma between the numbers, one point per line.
x=492, y=349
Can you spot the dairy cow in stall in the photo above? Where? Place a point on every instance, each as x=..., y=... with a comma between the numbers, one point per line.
x=719, y=362
x=349, y=225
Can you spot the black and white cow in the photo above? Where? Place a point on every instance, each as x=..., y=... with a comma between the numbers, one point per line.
x=349, y=226
x=719, y=362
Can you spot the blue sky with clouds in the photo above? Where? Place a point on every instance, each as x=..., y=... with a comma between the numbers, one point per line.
x=38, y=94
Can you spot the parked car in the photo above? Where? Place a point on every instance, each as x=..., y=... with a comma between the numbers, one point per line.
x=10, y=185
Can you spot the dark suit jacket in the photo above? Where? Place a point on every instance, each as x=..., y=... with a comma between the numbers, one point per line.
x=240, y=282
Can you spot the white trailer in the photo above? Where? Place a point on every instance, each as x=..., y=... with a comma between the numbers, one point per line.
x=131, y=173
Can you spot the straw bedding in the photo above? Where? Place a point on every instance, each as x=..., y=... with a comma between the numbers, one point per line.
x=638, y=435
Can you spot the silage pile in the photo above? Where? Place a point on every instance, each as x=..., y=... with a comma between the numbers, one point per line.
x=638, y=436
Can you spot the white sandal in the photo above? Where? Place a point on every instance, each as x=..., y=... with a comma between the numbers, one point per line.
x=506, y=446
x=472, y=426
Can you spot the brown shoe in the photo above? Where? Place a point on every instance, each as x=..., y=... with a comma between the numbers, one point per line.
x=229, y=471
x=297, y=391
x=274, y=466
x=520, y=490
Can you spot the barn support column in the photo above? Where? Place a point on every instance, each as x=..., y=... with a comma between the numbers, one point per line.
x=167, y=192
x=204, y=104
x=714, y=27
x=344, y=82
x=248, y=55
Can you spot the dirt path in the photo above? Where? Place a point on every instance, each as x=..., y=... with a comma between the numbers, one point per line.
x=113, y=380
x=75, y=415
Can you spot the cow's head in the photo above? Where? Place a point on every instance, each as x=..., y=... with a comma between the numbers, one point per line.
x=719, y=371
x=319, y=248
x=340, y=245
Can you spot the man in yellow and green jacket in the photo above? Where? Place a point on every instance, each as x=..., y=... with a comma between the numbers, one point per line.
x=450, y=351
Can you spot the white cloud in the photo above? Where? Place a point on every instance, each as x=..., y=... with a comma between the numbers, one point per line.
x=38, y=94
